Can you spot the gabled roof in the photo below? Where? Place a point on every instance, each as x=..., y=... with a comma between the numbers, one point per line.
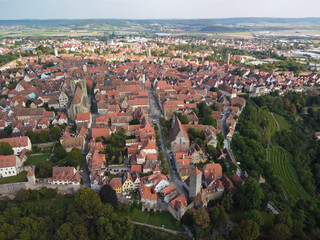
x=177, y=128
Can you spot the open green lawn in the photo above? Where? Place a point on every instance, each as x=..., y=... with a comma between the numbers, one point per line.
x=135, y=215
x=59, y=200
x=155, y=218
x=164, y=218
x=21, y=177
x=282, y=122
x=280, y=161
x=35, y=160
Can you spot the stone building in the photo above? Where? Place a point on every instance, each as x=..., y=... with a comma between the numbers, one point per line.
x=195, y=183
x=80, y=102
x=179, y=137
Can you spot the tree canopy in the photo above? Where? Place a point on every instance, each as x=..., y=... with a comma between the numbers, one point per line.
x=5, y=149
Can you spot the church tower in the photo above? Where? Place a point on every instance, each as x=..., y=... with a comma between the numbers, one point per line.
x=195, y=183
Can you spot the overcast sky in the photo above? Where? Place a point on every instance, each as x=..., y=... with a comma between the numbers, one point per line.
x=150, y=9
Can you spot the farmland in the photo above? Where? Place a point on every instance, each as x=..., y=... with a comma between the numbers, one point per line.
x=282, y=122
x=272, y=127
x=280, y=161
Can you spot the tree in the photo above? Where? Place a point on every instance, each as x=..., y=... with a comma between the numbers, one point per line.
x=209, y=120
x=201, y=218
x=220, y=139
x=5, y=149
x=252, y=194
x=64, y=232
x=75, y=157
x=45, y=169
x=108, y=195
x=246, y=229
x=187, y=218
x=183, y=119
x=88, y=202
x=215, y=217
x=120, y=159
x=255, y=216
x=227, y=201
x=3, y=134
x=32, y=135
x=55, y=133
x=284, y=218
x=212, y=151
x=214, y=89
x=280, y=232
x=23, y=195
x=60, y=152
x=8, y=130
x=44, y=136
x=134, y=121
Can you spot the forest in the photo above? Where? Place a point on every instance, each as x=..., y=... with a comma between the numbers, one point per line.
x=43, y=214
x=277, y=140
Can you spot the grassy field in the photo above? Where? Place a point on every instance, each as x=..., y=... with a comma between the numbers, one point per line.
x=152, y=218
x=282, y=122
x=59, y=200
x=164, y=218
x=272, y=125
x=21, y=177
x=35, y=160
x=280, y=161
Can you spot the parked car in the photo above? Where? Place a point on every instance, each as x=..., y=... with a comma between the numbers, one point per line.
x=128, y=196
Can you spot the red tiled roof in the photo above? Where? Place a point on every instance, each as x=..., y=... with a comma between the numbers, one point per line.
x=8, y=161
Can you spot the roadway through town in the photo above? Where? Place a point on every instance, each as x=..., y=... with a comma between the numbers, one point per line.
x=155, y=113
x=85, y=174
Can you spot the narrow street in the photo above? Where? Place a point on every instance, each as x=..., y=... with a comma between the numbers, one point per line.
x=84, y=167
x=155, y=115
x=224, y=124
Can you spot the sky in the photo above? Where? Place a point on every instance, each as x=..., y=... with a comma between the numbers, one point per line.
x=156, y=9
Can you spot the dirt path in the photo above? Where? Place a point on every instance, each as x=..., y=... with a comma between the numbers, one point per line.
x=278, y=125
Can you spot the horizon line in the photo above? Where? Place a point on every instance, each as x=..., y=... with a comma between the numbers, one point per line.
x=145, y=19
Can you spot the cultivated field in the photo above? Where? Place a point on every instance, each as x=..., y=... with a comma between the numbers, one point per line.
x=272, y=125
x=282, y=122
x=280, y=161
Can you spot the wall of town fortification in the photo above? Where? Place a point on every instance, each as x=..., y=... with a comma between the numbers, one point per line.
x=13, y=188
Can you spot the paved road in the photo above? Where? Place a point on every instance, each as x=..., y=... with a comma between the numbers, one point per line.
x=155, y=114
x=224, y=123
x=84, y=167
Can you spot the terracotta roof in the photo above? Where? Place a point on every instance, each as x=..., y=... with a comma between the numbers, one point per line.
x=8, y=161
x=177, y=128
x=212, y=168
x=83, y=117
x=65, y=174
x=115, y=183
x=16, y=141
x=30, y=173
x=179, y=202
x=146, y=192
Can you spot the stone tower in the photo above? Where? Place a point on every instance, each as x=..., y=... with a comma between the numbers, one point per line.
x=56, y=52
x=31, y=177
x=228, y=59
x=195, y=183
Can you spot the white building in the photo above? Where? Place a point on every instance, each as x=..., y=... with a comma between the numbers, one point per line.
x=8, y=165
x=18, y=144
